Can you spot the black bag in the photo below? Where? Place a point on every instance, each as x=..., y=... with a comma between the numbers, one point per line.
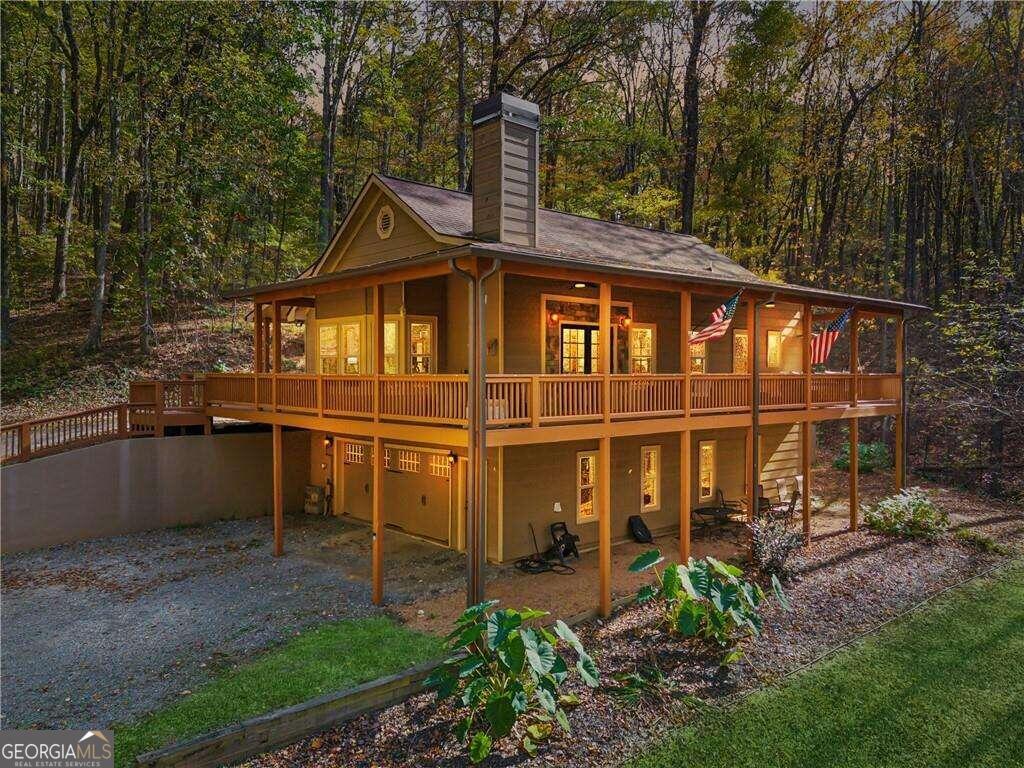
x=639, y=530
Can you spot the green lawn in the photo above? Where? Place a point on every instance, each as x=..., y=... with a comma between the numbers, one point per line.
x=943, y=687
x=328, y=658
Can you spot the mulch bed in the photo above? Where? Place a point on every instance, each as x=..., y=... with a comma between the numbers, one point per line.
x=842, y=585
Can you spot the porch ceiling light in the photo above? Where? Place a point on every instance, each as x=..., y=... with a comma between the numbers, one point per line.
x=579, y=285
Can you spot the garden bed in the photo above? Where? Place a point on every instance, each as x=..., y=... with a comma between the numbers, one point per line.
x=843, y=584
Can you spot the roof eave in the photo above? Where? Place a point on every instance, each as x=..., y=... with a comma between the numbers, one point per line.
x=834, y=297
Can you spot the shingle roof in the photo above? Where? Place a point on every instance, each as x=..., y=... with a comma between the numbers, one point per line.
x=567, y=236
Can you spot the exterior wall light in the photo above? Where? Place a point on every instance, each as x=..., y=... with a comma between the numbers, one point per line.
x=553, y=318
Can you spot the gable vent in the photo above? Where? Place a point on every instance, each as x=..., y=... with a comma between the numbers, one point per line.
x=385, y=222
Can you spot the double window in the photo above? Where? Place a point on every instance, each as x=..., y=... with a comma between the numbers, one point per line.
x=344, y=345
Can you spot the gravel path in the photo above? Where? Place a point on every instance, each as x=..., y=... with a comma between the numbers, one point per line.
x=101, y=631
x=845, y=583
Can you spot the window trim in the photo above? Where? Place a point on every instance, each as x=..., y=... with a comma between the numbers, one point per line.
x=405, y=346
x=654, y=346
x=768, y=350
x=656, y=505
x=714, y=469
x=594, y=457
x=740, y=333
x=338, y=322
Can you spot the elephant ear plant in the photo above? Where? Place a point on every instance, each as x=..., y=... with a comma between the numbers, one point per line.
x=706, y=599
x=507, y=676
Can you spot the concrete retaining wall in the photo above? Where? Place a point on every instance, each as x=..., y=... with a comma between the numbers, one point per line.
x=135, y=485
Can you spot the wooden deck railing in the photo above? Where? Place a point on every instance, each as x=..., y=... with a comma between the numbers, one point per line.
x=41, y=437
x=782, y=390
x=534, y=400
x=831, y=388
x=719, y=392
x=637, y=396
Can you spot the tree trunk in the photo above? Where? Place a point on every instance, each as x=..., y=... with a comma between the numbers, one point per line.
x=700, y=12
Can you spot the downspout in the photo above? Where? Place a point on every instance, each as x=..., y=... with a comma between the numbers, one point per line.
x=755, y=414
x=476, y=486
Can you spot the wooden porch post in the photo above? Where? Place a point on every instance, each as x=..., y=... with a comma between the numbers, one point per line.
x=378, y=347
x=685, y=314
x=276, y=354
x=257, y=338
x=378, y=520
x=805, y=461
x=854, y=468
x=900, y=446
x=604, y=482
x=807, y=330
x=684, y=496
x=278, y=491
x=854, y=357
x=604, y=509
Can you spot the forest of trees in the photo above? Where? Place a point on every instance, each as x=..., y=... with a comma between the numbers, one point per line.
x=160, y=151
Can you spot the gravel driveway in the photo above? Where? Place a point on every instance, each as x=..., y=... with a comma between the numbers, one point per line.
x=99, y=632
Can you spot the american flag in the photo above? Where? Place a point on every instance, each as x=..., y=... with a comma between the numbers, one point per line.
x=821, y=343
x=720, y=320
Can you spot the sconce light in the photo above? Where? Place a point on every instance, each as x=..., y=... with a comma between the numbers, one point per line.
x=452, y=457
x=770, y=304
x=557, y=507
x=553, y=318
x=625, y=321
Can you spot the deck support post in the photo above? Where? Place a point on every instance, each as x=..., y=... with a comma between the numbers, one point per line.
x=854, y=469
x=805, y=461
x=604, y=482
x=684, y=496
x=604, y=526
x=685, y=315
x=278, y=450
x=377, y=548
x=807, y=329
x=900, y=457
x=854, y=359
x=476, y=439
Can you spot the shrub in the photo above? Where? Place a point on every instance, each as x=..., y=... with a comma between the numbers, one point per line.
x=909, y=513
x=986, y=544
x=870, y=456
x=706, y=599
x=507, y=676
x=772, y=541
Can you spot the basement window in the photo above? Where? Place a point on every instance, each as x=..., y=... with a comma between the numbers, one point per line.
x=586, y=487
x=650, y=478
x=706, y=469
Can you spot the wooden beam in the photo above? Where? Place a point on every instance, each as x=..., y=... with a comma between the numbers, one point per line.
x=257, y=317
x=854, y=357
x=278, y=490
x=684, y=496
x=805, y=462
x=686, y=321
x=605, y=327
x=900, y=425
x=604, y=533
x=854, y=468
x=750, y=482
x=807, y=330
x=377, y=549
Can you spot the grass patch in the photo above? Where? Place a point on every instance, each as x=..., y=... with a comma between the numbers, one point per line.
x=942, y=687
x=984, y=543
x=328, y=658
